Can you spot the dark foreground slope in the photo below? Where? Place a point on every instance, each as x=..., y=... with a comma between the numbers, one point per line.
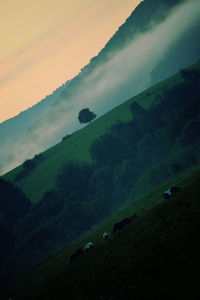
x=155, y=257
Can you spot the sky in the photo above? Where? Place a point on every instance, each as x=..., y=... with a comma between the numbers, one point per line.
x=45, y=43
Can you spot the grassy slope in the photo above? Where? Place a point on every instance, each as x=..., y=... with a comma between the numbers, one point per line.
x=156, y=257
x=77, y=146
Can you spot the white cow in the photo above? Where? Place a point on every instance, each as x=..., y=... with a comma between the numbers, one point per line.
x=106, y=235
x=88, y=246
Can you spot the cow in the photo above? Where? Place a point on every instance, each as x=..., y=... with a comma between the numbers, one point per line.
x=167, y=194
x=172, y=190
x=133, y=217
x=88, y=247
x=79, y=252
x=106, y=235
x=118, y=226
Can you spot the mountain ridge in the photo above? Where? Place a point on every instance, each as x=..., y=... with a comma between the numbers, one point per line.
x=29, y=115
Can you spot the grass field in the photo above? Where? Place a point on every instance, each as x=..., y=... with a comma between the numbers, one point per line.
x=156, y=257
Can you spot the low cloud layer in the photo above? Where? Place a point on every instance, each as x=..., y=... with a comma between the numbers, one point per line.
x=127, y=73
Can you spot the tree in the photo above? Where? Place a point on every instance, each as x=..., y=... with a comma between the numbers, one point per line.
x=29, y=164
x=73, y=180
x=13, y=203
x=102, y=182
x=86, y=116
x=109, y=150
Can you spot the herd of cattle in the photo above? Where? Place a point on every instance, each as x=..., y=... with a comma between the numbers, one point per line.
x=117, y=227
x=106, y=235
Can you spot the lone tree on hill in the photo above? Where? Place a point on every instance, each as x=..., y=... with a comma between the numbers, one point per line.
x=86, y=116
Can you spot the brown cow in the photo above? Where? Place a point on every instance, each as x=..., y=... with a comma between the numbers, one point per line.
x=118, y=226
x=79, y=252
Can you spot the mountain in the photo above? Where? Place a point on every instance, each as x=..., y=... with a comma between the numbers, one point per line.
x=147, y=48
x=14, y=128
x=147, y=15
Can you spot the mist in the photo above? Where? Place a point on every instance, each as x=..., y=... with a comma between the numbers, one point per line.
x=124, y=75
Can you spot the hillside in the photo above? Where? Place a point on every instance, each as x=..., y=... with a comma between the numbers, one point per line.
x=119, y=69
x=155, y=257
x=154, y=142
x=77, y=145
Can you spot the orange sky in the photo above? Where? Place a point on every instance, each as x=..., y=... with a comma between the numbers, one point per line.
x=46, y=42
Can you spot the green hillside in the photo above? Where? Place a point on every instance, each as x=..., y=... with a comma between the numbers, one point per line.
x=76, y=146
x=117, y=159
x=155, y=257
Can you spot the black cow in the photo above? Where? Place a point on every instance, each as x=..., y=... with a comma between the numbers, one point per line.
x=79, y=252
x=118, y=226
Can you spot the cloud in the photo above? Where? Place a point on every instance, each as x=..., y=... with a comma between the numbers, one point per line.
x=124, y=75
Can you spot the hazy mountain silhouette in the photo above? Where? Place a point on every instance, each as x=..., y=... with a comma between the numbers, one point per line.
x=15, y=127
x=159, y=38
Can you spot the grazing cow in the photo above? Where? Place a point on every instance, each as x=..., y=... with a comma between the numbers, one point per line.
x=133, y=217
x=172, y=190
x=88, y=247
x=106, y=235
x=118, y=226
x=76, y=255
x=167, y=194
